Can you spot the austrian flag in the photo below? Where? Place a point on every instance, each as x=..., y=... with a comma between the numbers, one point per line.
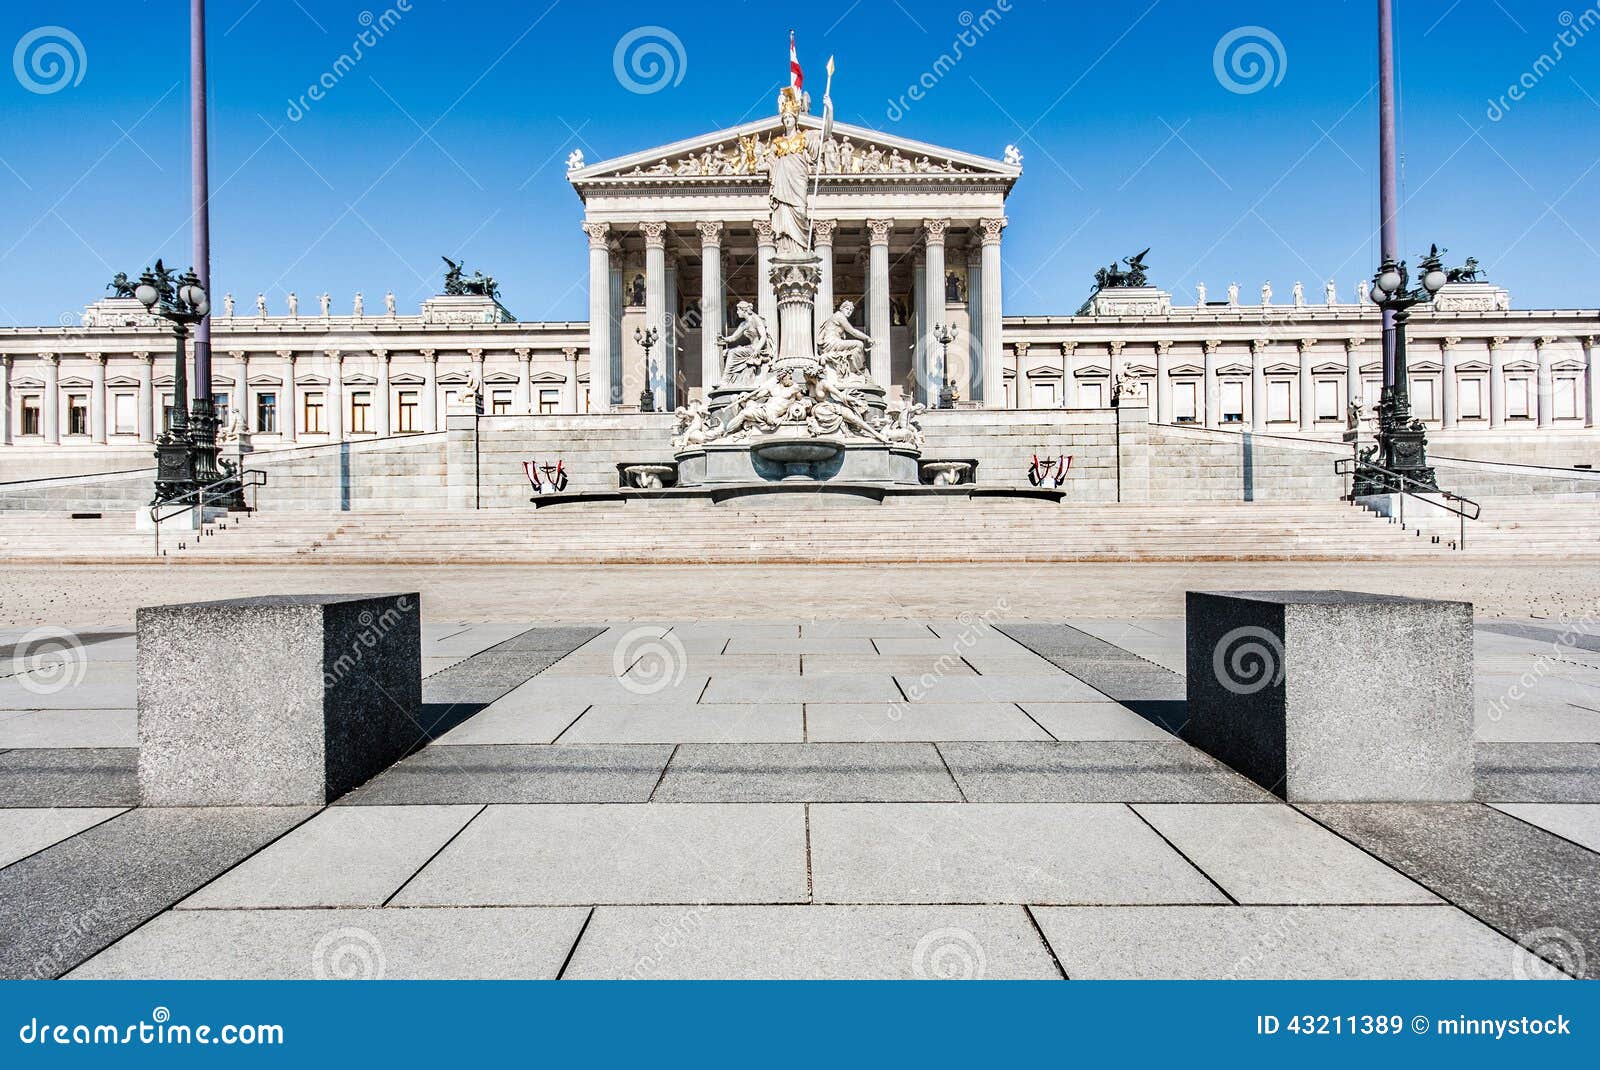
x=797, y=79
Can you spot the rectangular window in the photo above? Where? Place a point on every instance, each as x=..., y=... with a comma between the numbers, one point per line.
x=408, y=411
x=1327, y=399
x=77, y=414
x=125, y=408
x=1371, y=391
x=549, y=400
x=1566, y=399
x=1185, y=401
x=267, y=412
x=31, y=413
x=1092, y=395
x=311, y=413
x=361, y=412
x=219, y=405
x=1042, y=395
x=500, y=403
x=1232, y=401
x=1422, y=400
x=1517, y=398
x=1470, y=398
x=1279, y=408
x=166, y=412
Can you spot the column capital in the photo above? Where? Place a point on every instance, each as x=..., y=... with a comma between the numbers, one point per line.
x=710, y=232
x=1306, y=343
x=142, y=356
x=1353, y=344
x=1545, y=339
x=523, y=353
x=236, y=354
x=1163, y=346
x=1021, y=348
x=1214, y=344
x=382, y=355
x=933, y=231
x=763, y=229
x=1449, y=342
x=287, y=354
x=334, y=355
x=1498, y=340
x=655, y=235
x=822, y=230
x=429, y=355
x=571, y=352
x=991, y=229
x=1257, y=346
x=598, y=233
x=475, y=354
x=1068, y=347
x=878, y=231
x=98, y=358
x=50, y=358
x=1115, y=345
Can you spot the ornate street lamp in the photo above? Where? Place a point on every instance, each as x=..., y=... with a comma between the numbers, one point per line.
x=647, y=337
x=1399, y=460
x=944, y=336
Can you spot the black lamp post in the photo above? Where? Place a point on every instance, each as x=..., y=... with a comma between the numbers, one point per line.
x=1399, y=460
x=944, y=336
x=647, y=337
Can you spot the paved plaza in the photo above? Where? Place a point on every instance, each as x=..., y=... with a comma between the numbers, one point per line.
x=995, y=794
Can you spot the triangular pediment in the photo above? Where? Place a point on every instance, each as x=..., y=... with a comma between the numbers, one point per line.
x=735, y=155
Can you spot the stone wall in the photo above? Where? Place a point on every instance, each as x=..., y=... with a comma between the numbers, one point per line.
x=1197, y=464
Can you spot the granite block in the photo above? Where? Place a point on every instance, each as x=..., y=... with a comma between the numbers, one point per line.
x=1101, y=771
x=509, y=773
x=70, y=777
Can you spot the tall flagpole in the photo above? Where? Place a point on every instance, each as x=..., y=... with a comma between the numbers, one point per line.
x=1388, y=182
x=201, y=192
x=816, y=179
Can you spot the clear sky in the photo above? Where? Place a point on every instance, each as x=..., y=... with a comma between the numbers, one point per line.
x=449, y=136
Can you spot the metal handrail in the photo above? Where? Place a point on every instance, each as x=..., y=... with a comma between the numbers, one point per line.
x=250, y=477
x=1346, y=466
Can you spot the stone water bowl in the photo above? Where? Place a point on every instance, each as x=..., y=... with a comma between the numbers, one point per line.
x=947, y=473
x=797, y=456
x=648, y=476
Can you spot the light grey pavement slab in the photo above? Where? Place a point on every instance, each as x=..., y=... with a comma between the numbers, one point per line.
x=1094, y=771
x=1280, y=942
x=1090, y=721
x=100, y=687
x=1271, y=853
x=1538, y=772
x=812, y=942
x=809, y=772
x=1024, y=663
x=286, y=945
x=607, y=690
x=739, y=643
x=1058, y=688
x=504, y=721
x=873, y=629
x=862, y=688
x=69, y=901
x=1578, y=822
x=718, y=666
x=1536, y=720
x=25, y=830
x=990, y=643
x=996, y=853
x=71, y=728
x=1534, y=887
x=346, y=856
x=556, y=855
x=69, y=777
x=888, y=664
x=881, y=722
x=769, y=722
x=511, y=773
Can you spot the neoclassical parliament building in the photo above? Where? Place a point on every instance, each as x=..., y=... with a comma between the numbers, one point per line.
x=911, y=233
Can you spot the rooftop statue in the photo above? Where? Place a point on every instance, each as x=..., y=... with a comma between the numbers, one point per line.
x=1113, y=276
x=476, y=285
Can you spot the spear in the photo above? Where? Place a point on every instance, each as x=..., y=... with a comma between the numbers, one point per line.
x=827, y=131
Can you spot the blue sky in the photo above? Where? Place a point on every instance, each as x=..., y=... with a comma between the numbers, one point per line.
x=450, y=135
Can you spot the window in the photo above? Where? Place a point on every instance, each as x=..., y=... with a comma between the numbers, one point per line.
x=267, y=412
x=408, y=411
x=1470, y=393
x=361, y=412
x=1423, y=405
x=1091, y=395
x=77, y=414
x=219, y=405
x=1042, y=395
x=1371, y=391
x=125, y=409
x=31, y=416
x=500, y=403
x=311, y=409
x=1278, y=401
x=1327, y=399
x=1566, y=397
x=166, y=412
x=1232, y=401
x=549, y=400
x=451, y=399
x=1517, y=398
x=1184, y=401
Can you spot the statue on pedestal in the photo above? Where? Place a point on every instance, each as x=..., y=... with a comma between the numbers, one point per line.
x=840, y=344
x=748, y=348
x=789, y=164
x=294, y=304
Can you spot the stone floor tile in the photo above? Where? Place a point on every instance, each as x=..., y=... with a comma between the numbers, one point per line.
x=505, y=721
x=102, y=687
x=1089, y=721
x=808, y=772
x=514, y=943
x=69, y=777
x=24, y=830
x=69, y=901
x=1578, y=822
x=346, y=856
x=1538, y=772
x=511, y=773
x=1535, y=721
x=813, y=943
x=1278, y=942
x=829, y=644
x=718, y=665
x=71, y=728
x=998, y=853
x=1058, y=688
x=556, y=855
x=859, y=688
x=652, y=689
x=885, y=722
x=558, y=639
x=871, y=629
x=769, y=722
x=1530, y=885
x=914, y=665
x=991, y=644
x=1271, y=853
x=1103, y=771
x=1023, y=664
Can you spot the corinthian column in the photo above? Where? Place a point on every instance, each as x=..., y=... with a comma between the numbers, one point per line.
x=1308, y=386
x=380, y=393
x=147, y=390
x=655, y=305
x=600, y=391
x=993, y=372
x=50, y=419
x=766, y=297
x=1590, y=381
x=878, y=231
x=1545, y=381
x=974, y=340
x=710, y=303
x=1497, y=381
x=1258, y=384
x=822, y=240
x=1163, y=389
x=1450, y=412
x=5, y=399
x=97, y=397
x=933, y=373
x=430, y=388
